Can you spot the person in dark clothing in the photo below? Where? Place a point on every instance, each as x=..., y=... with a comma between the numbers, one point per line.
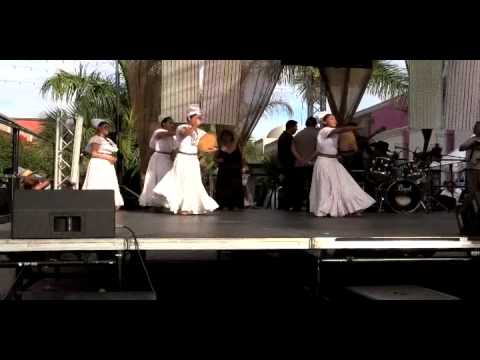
x=436, y=153
x=472, y=147
x=287, y=162
x=229, y=188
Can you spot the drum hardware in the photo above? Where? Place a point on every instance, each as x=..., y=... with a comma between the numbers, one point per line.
x=404, y=185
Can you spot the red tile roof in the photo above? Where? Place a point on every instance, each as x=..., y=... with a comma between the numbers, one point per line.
x=35, y=125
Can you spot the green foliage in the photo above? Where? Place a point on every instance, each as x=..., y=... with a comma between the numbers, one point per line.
x=38, y=156
x=5, y=152
x=128, y=145
x=251, y=153
x=388, y=80
x=273, y=170
x=94, y=95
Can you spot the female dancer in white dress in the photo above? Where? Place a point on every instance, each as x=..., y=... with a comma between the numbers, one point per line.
x=182, y=186
x=101, y=173
x=334, y=192
x=163, y=143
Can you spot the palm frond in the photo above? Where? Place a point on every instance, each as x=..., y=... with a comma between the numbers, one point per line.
x=388, y=80
x=87, y=90
x=277, y=105
x=53, y=114
x=306, y=80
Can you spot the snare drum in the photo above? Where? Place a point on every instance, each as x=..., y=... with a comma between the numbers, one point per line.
x=413, y=171
x=381, y=169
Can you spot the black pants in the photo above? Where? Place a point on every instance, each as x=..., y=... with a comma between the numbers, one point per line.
x=447, y=201
x=229, y=189
x=473, y=180
x=288, y=185
x=301, y=186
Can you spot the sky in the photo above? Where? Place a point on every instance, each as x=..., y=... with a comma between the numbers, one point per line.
x=21, y=80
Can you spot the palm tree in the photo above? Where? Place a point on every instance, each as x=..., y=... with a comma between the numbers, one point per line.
x=387, y=81
x=93, y=94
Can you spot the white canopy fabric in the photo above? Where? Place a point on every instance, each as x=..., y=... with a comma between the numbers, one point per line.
x=230, y=92
x=425, y=94
x=462, y=94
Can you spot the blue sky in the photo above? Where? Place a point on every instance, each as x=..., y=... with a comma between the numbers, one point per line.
x=20, y=82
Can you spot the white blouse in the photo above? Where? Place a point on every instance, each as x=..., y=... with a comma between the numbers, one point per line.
x=325, y=144
x=107, y=146
x=166, y=144
x=189, y=144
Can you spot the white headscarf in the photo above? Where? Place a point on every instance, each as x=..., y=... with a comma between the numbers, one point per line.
x=96, y=122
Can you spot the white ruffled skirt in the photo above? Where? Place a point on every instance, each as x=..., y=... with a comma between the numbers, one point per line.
x=334, y=192
x=101, y=175
x=182, y=187
x=158, y=165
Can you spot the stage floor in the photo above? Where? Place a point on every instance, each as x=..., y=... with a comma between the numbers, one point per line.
x=260, y=229
x=261, y=223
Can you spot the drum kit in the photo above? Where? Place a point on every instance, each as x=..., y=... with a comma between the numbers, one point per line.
x=401, y=185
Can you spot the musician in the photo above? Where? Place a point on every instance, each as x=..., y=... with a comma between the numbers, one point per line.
x=348, y=147
x=472, y=147
x=31, y=182
x=355, y=149
x=450, y=196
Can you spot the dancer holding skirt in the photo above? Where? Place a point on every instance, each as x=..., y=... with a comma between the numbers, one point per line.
x=334, y=192
x=163, y=143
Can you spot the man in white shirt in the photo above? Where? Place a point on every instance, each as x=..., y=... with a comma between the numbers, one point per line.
x=450, y=195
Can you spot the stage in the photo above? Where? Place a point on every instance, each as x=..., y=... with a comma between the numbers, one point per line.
x=256, y=246
x=260, y=229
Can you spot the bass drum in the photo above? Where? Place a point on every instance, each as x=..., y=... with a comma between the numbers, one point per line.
x=403, y=196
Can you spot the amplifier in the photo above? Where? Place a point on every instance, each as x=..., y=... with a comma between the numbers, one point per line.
x=73, y=214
